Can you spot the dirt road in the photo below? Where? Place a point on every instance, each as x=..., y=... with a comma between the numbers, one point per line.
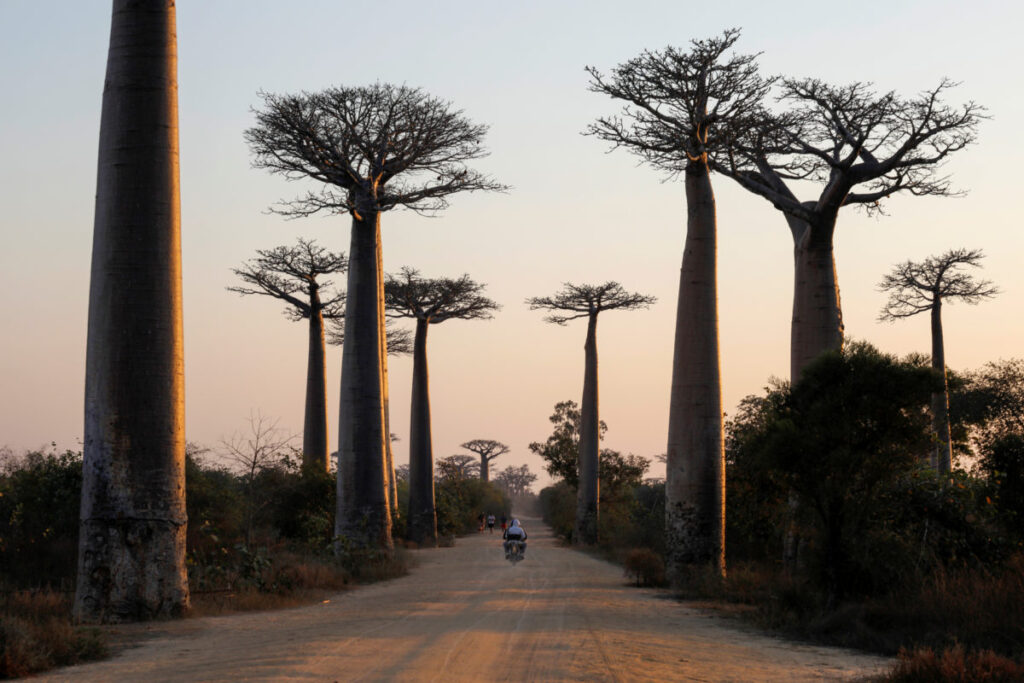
x=464, y=614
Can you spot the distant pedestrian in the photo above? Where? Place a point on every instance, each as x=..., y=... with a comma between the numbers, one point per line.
x=490, y=523
x=481, y=519
x=504, y=523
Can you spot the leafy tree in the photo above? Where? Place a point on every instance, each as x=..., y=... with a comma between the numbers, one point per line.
x=428, y=302
x=561, y=450
x=372, y=149
x=860, y=147
x=588, y=301
x=680, y=108
x=292, y=275
x=839, y=437
x=487, y=450
x=131, y=560
x=923, y=287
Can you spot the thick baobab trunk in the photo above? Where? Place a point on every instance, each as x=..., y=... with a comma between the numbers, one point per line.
x=131, y=562
x=943, y=454
x=817, y=324
x=485, y=462
x=363, y=514
x=389, y=457
x=422, y=527
x=314, y=432
x=588, y=492
x=695, y=486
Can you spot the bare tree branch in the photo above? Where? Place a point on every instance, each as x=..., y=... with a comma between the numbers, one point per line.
x=915, y=287
x=407, y=295
x=372, y=148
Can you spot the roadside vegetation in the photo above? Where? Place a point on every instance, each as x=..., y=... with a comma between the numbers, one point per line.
x=893, y=557
x=259, y=537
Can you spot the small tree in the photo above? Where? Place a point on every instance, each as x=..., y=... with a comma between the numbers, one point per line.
x=263, y=446
x=488, y=450
x=588, y=301
x=561, y=450
x=372, y=149
x=919, y=287
x=428, y=302
x=680, y=108
x=292, y=275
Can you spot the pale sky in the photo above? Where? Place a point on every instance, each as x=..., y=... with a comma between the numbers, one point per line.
x=575, y=213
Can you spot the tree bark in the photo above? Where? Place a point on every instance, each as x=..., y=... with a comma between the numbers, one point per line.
x=587, y=494
x=363, y=514
x=314, y=433
x=943, y=453
x=422, y=528
x=695, y=486
x=131, y=562
x=817, y=324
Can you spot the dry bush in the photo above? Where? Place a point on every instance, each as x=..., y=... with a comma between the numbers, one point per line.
x=36, y=634
x=954, y=665
x=646, y=566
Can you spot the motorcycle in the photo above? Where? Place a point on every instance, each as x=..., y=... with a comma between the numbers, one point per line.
x=515, y=552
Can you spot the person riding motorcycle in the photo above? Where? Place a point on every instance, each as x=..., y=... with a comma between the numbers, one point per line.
x=514, y=534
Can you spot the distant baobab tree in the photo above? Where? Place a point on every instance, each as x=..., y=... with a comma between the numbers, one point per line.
x=131, y=558
x=588, y=301
x=516, y=480
x=860, y=147
x=681, y=106
x=428, y=302
x=372, y=149
x=458, y=466
x=293, y=275
x=488, y=450
x=919, y=287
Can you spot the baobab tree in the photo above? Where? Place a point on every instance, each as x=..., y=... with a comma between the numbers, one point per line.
x=588, y=301
x=919, y=287
x=860, y=147
x=293, y=275
x=131, y=559
x=680, y=107
x=428, y=302
x=398, y=343
x=458, y=466
x=372, y=149
x=516, y=480
x=488, y=450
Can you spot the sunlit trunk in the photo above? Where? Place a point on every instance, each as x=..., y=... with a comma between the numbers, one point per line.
x=314, y=432
x=363, y=514
x=943, y=453
x=422, y=526
x=817, y=324
x=695, y=485
x=588, y=491
x=131, y=562
x=389, y=458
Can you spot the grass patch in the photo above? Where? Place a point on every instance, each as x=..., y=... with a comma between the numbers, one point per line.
x=954, y=665
x=36, y=634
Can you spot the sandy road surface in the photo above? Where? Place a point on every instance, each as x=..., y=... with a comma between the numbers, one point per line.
x=465, y=614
